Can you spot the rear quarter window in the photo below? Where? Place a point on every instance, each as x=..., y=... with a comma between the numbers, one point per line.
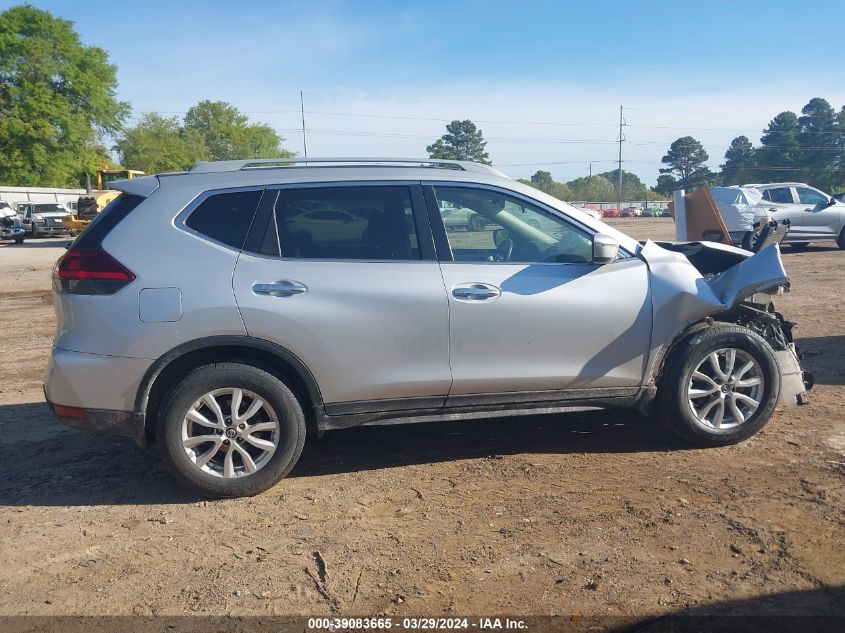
x=225, y=217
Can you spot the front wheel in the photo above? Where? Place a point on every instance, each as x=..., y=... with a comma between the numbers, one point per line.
x=798, y=246
x=230, y=430
x=721, y=386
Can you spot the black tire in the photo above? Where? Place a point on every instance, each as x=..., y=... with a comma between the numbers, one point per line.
x=205, y=379
x=19, y=240
x=673, y=403
x=798, y=246
x=840, y=241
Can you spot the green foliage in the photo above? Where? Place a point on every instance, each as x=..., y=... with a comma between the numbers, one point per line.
x=780, y=154
x=462, y=141
x=819, y=138
x=738, y=159
x=632, y=187
x=228, y=135
x=158, y=144
x=666, y=184
x=543, y=181
x=57, y=98
x=210, y=131
x=686, y=163
x=592, y=189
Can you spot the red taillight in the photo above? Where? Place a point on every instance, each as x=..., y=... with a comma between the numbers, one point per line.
x=90, y=272
x=68, y=412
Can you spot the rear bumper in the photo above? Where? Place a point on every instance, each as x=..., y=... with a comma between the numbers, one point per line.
x=123, y=423
x=103, y=387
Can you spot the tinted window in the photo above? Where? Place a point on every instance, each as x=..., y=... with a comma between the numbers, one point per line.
x=225, y=217
x=114, y=212
x=488, y=226
x=809, y=196
x=343, y=223
x=50, y=208
x=778, y=194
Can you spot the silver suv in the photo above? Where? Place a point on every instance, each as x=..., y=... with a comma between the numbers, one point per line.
x=222, y=314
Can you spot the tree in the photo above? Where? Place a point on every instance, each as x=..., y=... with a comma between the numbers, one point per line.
x=779, y=156
x=686, y=160
x=632, y=187
x=462, y=141
x=738, y=159
x=592, y=189
x=228, y=135
x=57, y=99
x=158, y=144
x=666, y=184
x=818, y=138
x=542, y=180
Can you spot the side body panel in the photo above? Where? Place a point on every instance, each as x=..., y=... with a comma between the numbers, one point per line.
x=553, y=327
x=366, y=330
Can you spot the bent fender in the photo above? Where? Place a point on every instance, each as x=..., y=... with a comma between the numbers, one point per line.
x=682, y=295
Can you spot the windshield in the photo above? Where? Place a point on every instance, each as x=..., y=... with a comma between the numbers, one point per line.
x=50, y=208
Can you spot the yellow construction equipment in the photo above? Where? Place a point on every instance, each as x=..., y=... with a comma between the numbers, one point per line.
x=91, y=203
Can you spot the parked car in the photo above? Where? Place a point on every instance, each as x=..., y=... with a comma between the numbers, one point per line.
x=11, y=227
x=593, y=213
x=462, y=218
x=665, y=213
x=813, y=215
x=631, y=212
x=42, y=219
x=198, y=314
x=611, y=213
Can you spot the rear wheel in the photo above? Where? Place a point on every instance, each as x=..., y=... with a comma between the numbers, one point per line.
x=721, y=386
x=19, y=240
x=230, y=430
x=840, y=241
x=798, y=246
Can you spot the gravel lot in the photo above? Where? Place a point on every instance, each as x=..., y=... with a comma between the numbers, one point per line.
x=601, y=513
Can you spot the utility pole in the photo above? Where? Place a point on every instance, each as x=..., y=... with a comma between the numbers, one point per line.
x=302, y=112
x=591, y=170
x=621, y=139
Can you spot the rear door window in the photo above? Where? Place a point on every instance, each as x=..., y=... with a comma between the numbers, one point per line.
x=353, y=223
x=226, y=216
x=781, y=195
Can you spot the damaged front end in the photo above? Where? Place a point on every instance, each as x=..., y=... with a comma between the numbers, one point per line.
x=696, y=284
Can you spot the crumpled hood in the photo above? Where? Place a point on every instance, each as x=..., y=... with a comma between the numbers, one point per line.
x=694, y=280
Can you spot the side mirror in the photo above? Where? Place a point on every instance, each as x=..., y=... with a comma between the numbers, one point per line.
x=499, y=236
x=605, y=248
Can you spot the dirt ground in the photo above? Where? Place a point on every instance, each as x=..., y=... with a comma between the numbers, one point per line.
x=599, y=513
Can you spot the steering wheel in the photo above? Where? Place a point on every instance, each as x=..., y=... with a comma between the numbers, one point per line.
x=504, y=250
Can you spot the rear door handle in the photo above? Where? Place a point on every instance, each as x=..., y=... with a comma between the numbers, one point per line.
x=475, y=292
x=282, y=288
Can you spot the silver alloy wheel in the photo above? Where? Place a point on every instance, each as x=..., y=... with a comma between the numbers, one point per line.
x=230, y=432
x=726, y=388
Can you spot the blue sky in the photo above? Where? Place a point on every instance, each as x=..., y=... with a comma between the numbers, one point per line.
x=544, y=80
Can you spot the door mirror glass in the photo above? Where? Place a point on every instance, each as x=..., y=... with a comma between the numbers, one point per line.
x=605, y=248
x=499, y=236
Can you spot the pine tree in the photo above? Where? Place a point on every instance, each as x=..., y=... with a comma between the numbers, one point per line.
x=462, y=141
x=738, y=159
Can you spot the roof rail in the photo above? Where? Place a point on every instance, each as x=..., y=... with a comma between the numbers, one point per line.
x=210, y=167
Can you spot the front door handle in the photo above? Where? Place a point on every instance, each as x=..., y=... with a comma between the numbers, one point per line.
x=282, y=288
x=475, y=292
